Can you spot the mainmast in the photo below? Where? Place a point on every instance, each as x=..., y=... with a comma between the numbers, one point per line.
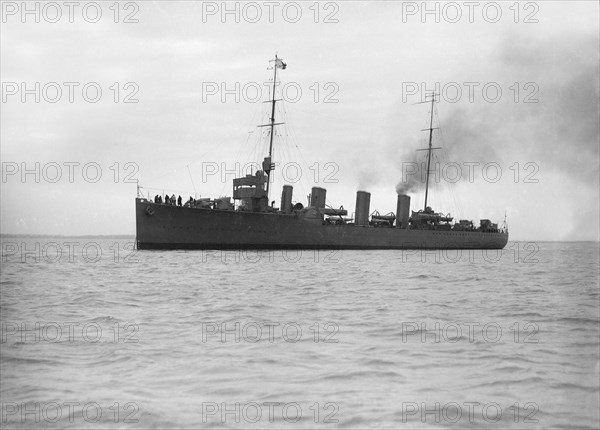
x=429, y=148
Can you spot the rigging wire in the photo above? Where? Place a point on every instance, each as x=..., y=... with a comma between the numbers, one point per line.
x=449, y=187
x=295, y=145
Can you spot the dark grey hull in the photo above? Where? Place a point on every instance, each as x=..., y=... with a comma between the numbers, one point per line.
x=172, y=227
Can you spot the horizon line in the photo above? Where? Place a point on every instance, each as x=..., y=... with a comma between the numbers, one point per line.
x=133, y=234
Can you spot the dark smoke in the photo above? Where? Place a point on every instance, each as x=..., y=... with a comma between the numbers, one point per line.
x=462, y=138
x=410, y=185
x=558, y=132
x=564, y=132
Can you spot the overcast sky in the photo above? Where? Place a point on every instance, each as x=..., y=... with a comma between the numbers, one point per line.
x=518, y=108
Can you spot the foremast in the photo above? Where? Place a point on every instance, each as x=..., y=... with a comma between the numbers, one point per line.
x=253, y=190
x=268, y=165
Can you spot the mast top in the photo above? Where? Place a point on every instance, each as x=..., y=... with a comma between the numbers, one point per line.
x=279, y=64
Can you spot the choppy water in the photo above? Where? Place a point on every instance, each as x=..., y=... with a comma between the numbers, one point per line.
x=352, y=339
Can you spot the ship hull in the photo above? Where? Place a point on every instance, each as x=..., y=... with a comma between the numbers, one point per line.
x=161, y=226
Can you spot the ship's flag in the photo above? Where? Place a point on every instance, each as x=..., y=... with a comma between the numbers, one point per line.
x=280, y=64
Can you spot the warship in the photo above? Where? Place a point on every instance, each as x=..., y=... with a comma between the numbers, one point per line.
x=250, y=222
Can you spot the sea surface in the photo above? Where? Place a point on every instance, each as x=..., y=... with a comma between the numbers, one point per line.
x=97, y=335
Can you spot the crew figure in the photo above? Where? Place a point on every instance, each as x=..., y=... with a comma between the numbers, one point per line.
x=179, y=201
